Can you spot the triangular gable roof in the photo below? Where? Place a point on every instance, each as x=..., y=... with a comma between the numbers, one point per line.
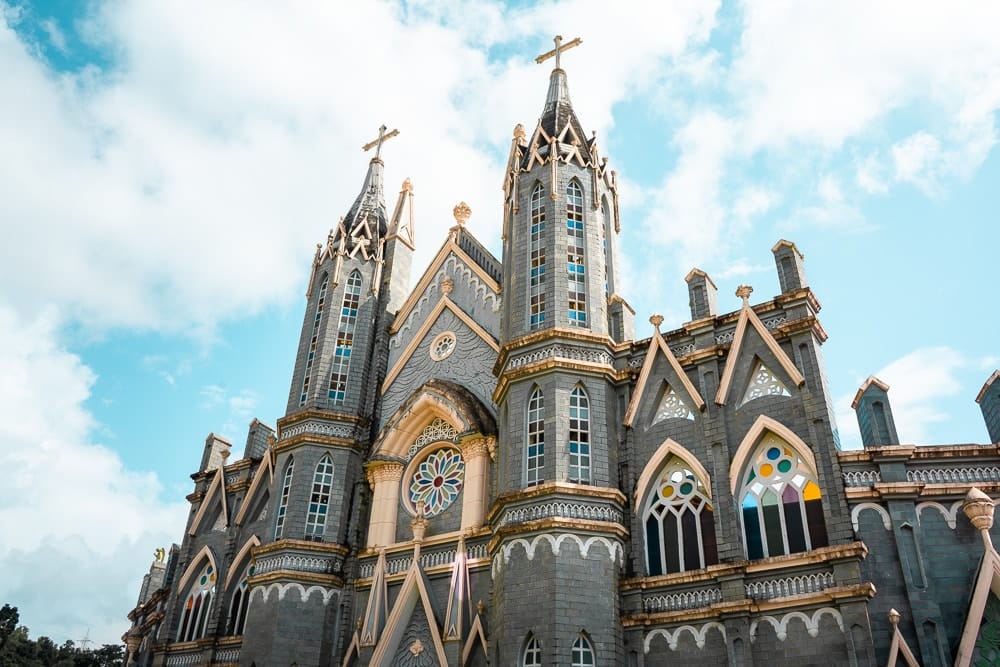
x=477, y=632
x=218, y=485
x=421, y=333
x=657, y=343
x=375, y=614
x=748, y=318
x=448, y=247
x=414, y=591
x=266, y=465
x=459, y=605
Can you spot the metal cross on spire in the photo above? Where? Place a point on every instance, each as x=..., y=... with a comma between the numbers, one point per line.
x=377, y=143
x=560, y=47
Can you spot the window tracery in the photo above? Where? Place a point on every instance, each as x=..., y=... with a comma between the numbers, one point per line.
x=536, y=248
x=583, y=652
x=680, y=530
x=579, y=436
x=194, y=617
x=345, y=338
x=532, y=654
x=535, y=439
x=240, y=602
x=672, y=406
x=437, y=480
x=782, y=510
x=763, y=382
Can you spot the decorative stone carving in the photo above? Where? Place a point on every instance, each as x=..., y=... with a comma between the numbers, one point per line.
x=462, y=213
x=979, y=507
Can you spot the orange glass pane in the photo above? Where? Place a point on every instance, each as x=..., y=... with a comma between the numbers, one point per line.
x=811, y=492
x=766, y=470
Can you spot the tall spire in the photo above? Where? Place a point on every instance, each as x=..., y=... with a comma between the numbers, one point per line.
x=558, y=111
x=367, y=217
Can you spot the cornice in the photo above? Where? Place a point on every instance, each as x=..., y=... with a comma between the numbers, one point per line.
x=556, y=524
x=301, y=545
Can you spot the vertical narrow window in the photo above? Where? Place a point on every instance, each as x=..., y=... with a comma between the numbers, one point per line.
x=579, y=436
x=577, y=288
x=781, y=507
x=606, y=227
x=319, y=501
x=239, y=604
x=583, y=652
x=535, y=441
x=680, y=531
x=345, y=338
x=286, y=487
x=194, y=616
x=536, y=248
x=317, y=319
x=532, y=654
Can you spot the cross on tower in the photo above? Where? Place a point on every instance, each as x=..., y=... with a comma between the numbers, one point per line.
x=560, y=47
x=377, y=143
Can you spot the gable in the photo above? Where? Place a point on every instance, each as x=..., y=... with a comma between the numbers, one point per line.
x=660, y=366
x=752, y=339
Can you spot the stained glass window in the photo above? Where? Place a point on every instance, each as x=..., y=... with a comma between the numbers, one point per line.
x=345, y=338
x=532, y=654
x=583, y=652
x=782, y=511
x=672, y=406
x=319, y=501
x=286, y=487
x=577, y=289
x=194, y=616
x=536, y=248
x=317, y=319
x=443, y=346
x=239, y=604
x=438, y=480
x=763, y=382
x=535, y=440
x=579, y=437
x=680, y=531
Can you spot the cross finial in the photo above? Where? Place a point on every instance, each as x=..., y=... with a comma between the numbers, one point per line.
x=377, y=143
x=560, y=47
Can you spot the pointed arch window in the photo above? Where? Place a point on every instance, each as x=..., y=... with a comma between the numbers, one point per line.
x=240, y=602
x=535, y=439
x=575, y=251
x=532, y=653
x=536, y=249
x=286, y=488
x=313, y=341
x=782, y=510
x=194, y=616
x=680, y=530
x=345, y=338
x=583, y=652
x=319, y=501
x=579, y=436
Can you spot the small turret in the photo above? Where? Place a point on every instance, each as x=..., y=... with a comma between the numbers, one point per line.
x=791, y=273
x=216, y=451
x=702, y=295
x=871, y=405
x=989, y=402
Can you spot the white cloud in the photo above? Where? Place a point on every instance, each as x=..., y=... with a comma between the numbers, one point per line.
x=75, y=519
x=870, y=175
x=741, y=267
x=56, y=37
x=916, y=160
x=918, y=381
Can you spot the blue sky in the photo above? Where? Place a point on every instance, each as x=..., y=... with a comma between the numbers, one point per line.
x=169, y=168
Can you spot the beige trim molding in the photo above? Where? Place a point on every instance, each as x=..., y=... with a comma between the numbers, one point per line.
x=669, y=448
x=218, y=482
x=749, y=318
x=244, y=551
x=657, y=343
x=191, y=568
x=252, y=493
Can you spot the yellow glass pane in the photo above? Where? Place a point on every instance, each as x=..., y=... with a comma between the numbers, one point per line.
x=766, y=470
x=811, y=492
x=667, y=491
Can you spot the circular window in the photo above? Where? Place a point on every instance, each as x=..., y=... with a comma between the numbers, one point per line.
x=437, y=480
x=443, y=346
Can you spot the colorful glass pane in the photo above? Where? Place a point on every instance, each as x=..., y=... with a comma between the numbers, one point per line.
x=676, y=517
x=438, y=480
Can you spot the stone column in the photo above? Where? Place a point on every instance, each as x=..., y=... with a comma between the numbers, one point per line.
x=383, y=477
x=476, y=450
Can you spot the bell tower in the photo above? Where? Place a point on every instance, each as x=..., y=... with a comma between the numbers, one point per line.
x=558, y=394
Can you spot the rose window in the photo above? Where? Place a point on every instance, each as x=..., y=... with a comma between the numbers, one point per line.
x=437, y=480
x=443, y=346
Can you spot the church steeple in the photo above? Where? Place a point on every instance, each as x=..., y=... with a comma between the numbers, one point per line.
x=366, y=222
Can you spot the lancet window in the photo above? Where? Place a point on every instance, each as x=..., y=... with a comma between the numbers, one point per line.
x=319, y=500
x=782, y=511
x=583, y=652
x=680, y=531
x=532, y=654
x=579, y=436
x=313, y=341
x=194, y=617
x=536, y=248
x=240, y=602
x=345, y=338
x=286, y=488
x=575, y=249
x=535, y=439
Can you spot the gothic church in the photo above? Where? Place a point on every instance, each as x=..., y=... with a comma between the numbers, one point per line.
x=483, y=466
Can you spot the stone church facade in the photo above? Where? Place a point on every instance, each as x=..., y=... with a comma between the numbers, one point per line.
x=483, y=466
